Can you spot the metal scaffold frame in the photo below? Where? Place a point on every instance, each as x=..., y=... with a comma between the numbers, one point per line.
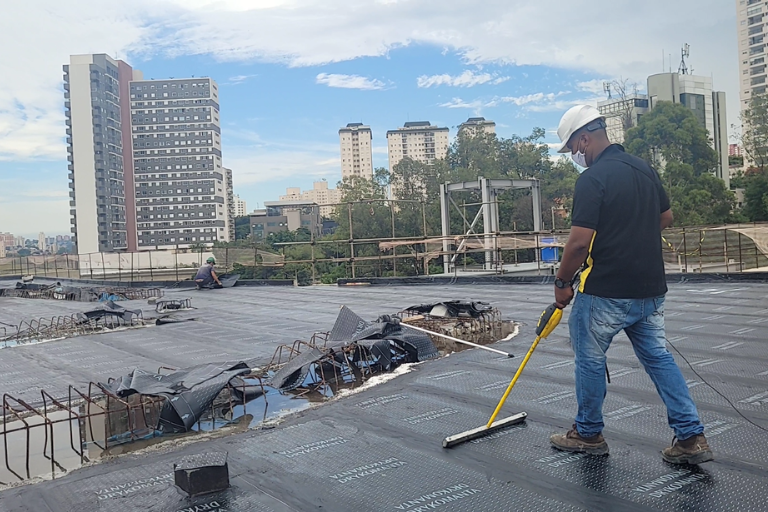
x=489, y=213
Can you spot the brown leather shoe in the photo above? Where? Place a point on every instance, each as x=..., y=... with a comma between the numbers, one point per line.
x=694, y=450
x=571, y=441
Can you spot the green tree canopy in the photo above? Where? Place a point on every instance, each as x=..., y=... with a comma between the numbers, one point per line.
x=754, y=131
x=756, y=195
x=672, y=138
x=242, y=227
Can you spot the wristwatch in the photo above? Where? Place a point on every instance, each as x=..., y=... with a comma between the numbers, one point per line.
x=559, y=283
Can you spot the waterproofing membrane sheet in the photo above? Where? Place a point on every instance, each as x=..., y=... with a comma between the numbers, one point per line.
x=453, y=308
x=189, y=392
x=109, y=308
x=351, y=327
x=380, y=449
x=293, y=373
x=228, y=281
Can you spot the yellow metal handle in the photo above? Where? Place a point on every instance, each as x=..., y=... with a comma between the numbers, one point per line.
x=512, y=384
x=549, y=319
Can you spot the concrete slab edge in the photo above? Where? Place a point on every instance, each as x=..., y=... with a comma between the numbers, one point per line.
x=754, y=277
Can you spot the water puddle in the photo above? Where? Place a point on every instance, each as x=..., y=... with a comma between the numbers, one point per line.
x=29, y=444
x=97, y=429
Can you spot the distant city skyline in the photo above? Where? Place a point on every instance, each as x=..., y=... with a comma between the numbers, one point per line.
x=290, y=78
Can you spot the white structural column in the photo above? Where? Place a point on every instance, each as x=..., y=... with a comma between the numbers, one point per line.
x=445, y=218
x=83, y=156
x=489, y=211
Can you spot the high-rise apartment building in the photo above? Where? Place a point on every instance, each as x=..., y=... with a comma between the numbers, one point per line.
x=708, y=106
x=98, y=143
x=7, y=239
x=356, y=151
x=752, y=29
x=475, y=125
x=230, y=198
x=181, y=186
x=320, y=194
x=695, y=92
x=418, y=140
x=241, y=209
x=145, y=159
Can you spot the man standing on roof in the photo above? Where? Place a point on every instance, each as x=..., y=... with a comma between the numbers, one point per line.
x=206, y=276
x=619, y=210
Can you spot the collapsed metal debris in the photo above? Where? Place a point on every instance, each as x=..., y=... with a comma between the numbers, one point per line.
x=452, y=309
x=107, y=317
x=142, y=406
x=57, y=291
x=473, y=321
x=351, y=351
x=188, y=393
x=172, y=305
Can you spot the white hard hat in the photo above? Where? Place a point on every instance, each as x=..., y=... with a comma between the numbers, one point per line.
x=576, y=118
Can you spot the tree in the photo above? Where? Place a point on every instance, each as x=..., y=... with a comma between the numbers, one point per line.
x=625, y=92
x=754, y=140
x=242, y=227
x=754, y=131
x=363, y=200
x=756, y=195
x=418, y=181
x=281, y=237
x=672, y=138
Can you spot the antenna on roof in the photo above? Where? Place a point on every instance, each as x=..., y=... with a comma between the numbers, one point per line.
x=684, y=52
x=607, y=89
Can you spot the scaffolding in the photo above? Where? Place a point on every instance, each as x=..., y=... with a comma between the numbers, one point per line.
x=489, y=213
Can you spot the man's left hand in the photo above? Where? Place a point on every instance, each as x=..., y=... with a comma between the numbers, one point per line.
x=563, y=296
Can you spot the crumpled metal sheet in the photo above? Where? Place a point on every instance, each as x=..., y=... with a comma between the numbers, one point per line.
x=452, y=308
x=189, y=392
x=380, y=349
x=351, y=328
x=293, y=373
x=110, y=309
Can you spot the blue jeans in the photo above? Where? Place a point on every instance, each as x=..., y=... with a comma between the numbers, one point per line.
x=593, y=323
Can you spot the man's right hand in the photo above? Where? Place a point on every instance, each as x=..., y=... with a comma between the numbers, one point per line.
x=563, y=296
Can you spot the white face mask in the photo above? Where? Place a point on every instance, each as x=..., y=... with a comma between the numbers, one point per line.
x=579, y=159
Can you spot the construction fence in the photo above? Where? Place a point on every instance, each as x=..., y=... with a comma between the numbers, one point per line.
x=728, y=249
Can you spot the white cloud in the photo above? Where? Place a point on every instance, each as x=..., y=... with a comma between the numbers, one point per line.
x=349, y=81
x=32, y=103
x=537, y=98
x=254, y=159
x=314, y=32
x=537, y=102
x=467, y=79
x=317, y=32
x=460, y=103
x=35, y=205
x=237, y=79
x=594, y=86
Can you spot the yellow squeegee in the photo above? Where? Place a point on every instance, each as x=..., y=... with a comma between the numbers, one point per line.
x=549, y=319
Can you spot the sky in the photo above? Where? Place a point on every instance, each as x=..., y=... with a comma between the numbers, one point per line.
x=292, y=72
